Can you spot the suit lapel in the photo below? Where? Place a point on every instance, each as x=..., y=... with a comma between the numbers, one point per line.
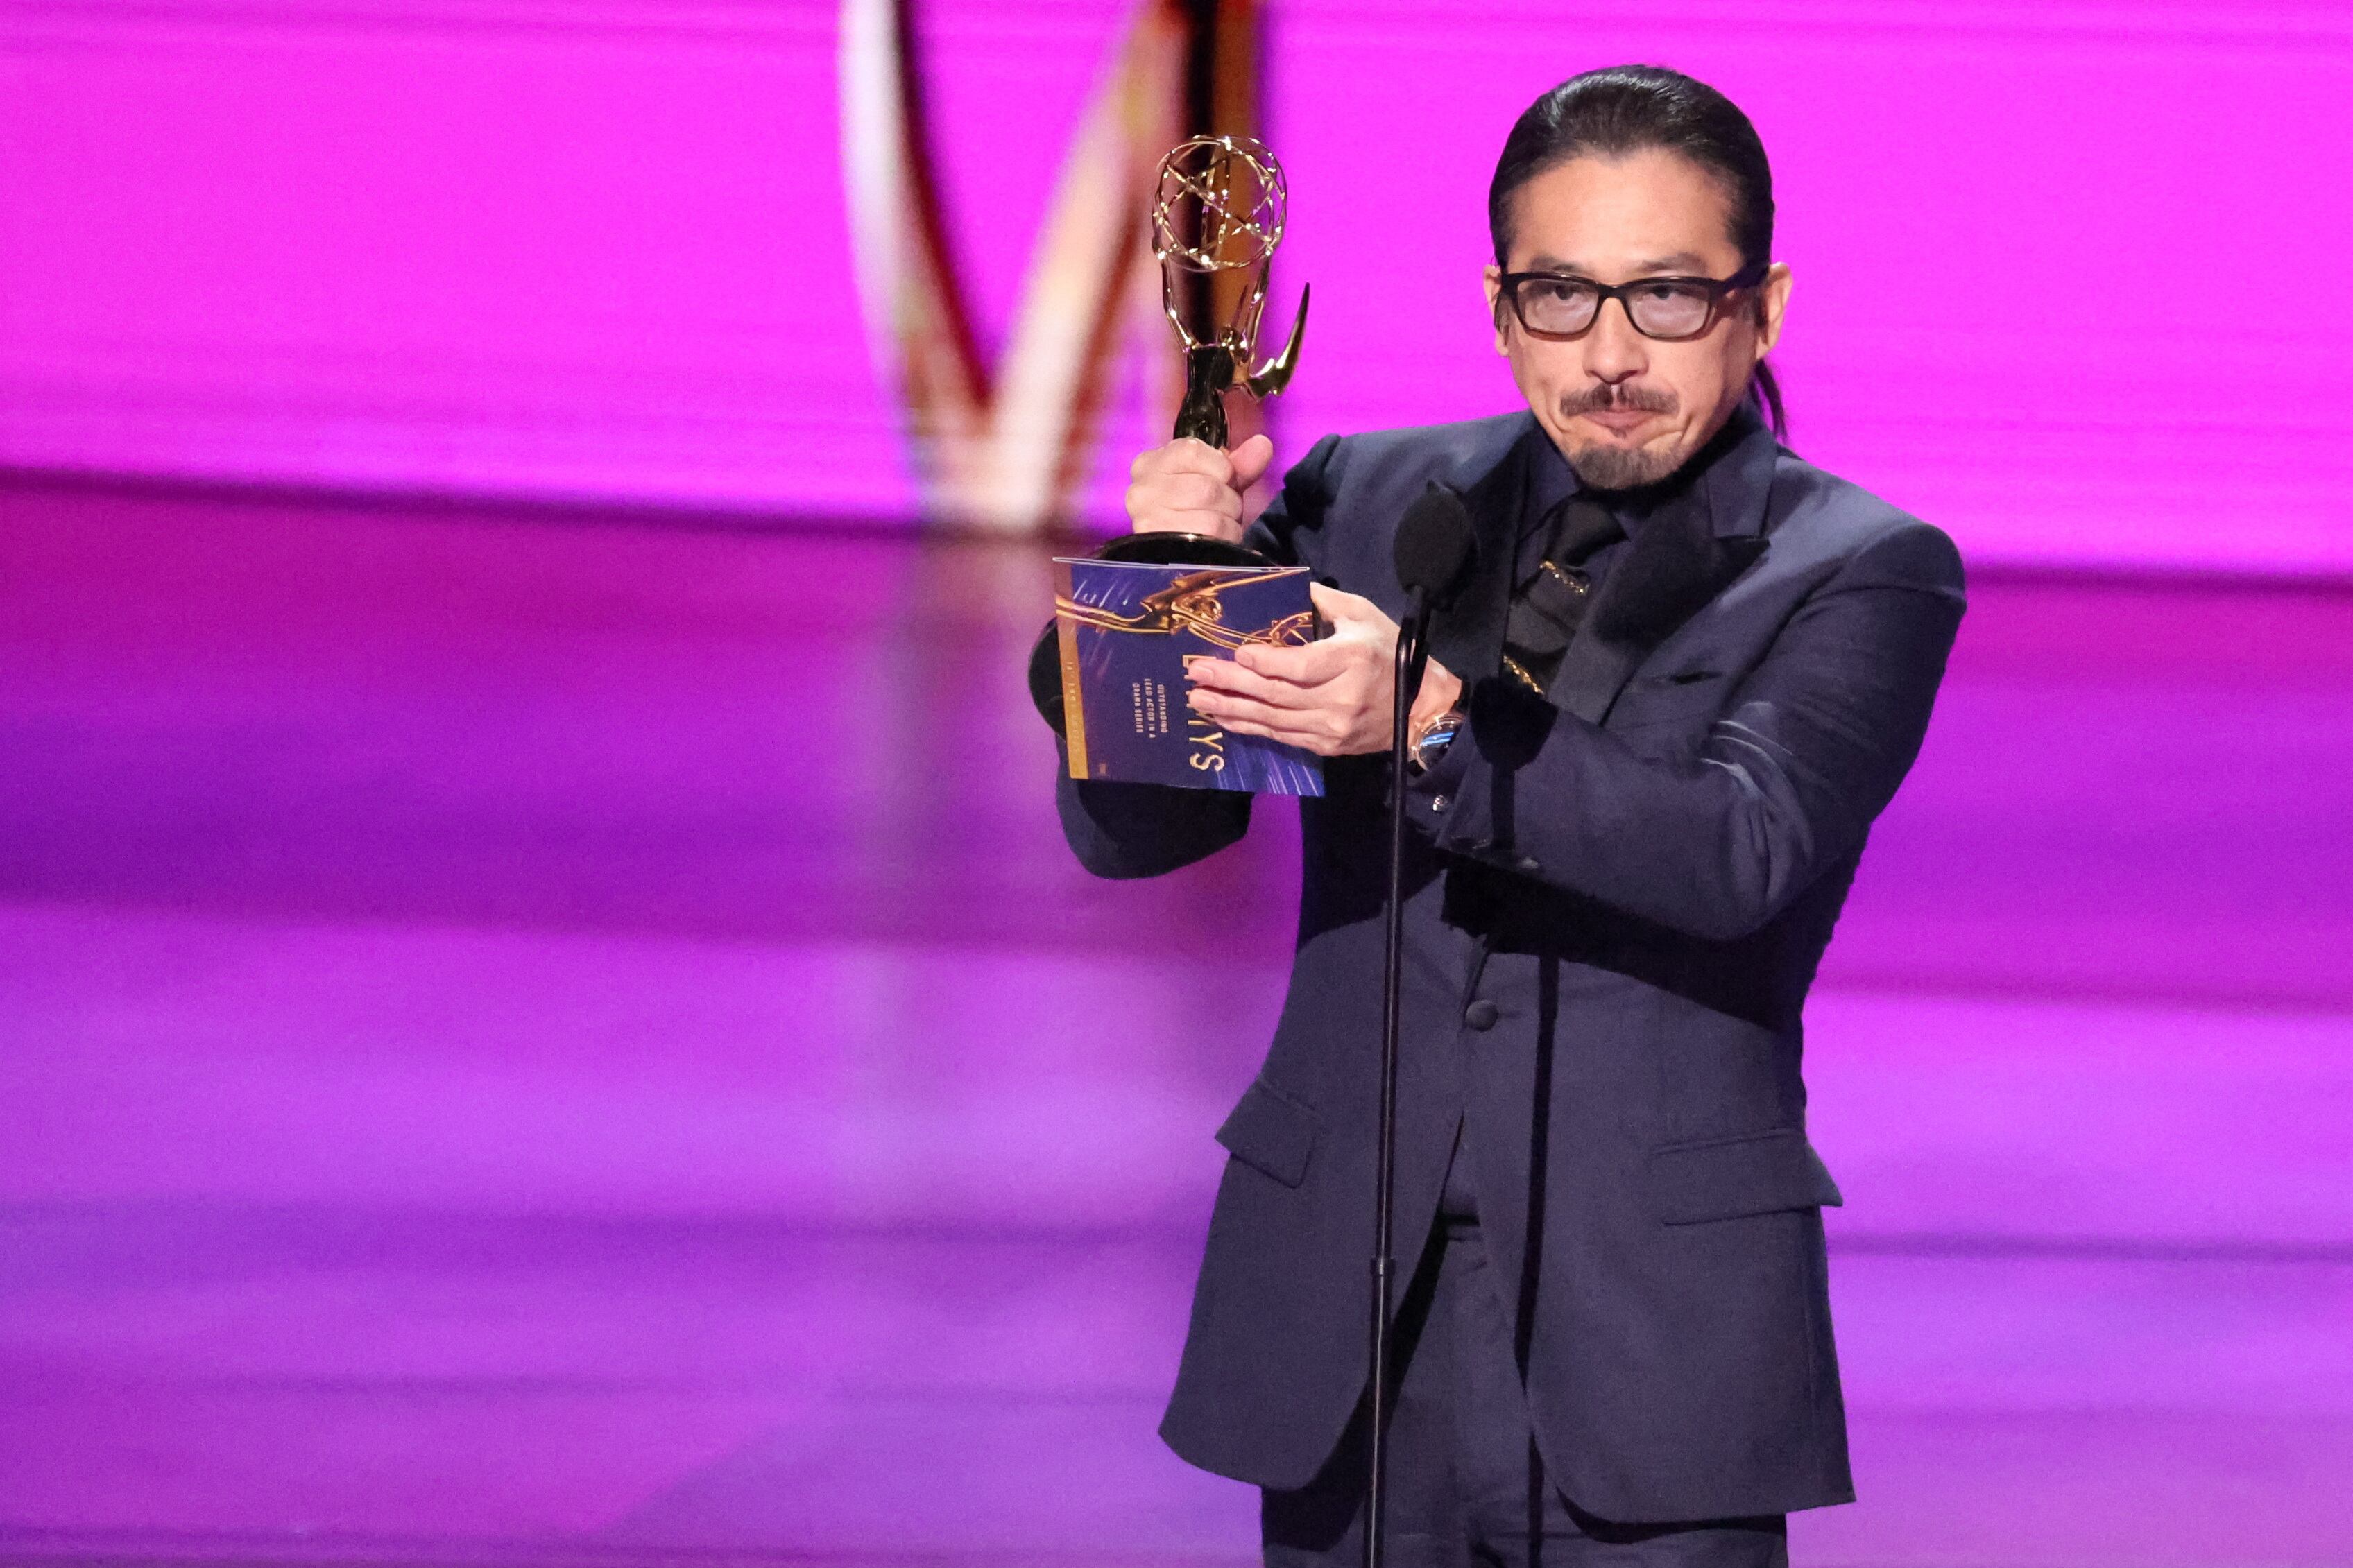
x=1689, y=549
x=1672, y=571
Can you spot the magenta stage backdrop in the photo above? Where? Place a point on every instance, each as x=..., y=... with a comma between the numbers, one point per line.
x=2068, y=275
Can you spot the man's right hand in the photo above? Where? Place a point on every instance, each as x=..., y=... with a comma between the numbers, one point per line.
x=1190, y=487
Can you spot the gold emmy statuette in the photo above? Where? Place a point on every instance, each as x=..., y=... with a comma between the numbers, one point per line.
x=1216, y=219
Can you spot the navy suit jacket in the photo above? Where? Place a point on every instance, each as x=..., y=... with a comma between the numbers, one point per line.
x=1618, y=900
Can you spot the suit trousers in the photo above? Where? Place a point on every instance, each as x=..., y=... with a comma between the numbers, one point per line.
x=1466, y=1484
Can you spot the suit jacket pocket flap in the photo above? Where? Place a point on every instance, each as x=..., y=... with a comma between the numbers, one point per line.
x=1271, y=1132
x=1647, y=702
x=1727, y=1178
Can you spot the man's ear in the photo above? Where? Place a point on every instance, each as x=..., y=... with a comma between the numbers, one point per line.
x=1772, y=305
x=1497, y=311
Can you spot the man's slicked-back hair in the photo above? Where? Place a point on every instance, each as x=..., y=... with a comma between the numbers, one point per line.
x=1634, y=108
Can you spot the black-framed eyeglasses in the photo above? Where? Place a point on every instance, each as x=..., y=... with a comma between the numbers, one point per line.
x=1555, y=305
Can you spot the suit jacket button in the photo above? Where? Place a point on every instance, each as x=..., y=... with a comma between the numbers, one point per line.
x=1481, y=1014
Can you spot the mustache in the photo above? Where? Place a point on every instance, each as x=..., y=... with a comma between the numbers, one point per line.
x=1616, y=396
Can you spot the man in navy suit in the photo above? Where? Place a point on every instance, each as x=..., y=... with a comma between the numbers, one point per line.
x=1689, y=671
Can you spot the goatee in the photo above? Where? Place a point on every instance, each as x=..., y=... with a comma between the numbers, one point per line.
x=1603, y=467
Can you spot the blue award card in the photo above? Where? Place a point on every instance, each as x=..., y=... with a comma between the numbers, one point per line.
x=1127, y=630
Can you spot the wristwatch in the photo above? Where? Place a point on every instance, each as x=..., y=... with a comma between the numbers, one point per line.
x=1426, y=744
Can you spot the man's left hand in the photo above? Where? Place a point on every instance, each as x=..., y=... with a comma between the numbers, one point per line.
x=1331, y=697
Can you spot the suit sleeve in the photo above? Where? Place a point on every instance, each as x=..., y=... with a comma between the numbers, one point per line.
x=1808, y=751
x=1126, y=830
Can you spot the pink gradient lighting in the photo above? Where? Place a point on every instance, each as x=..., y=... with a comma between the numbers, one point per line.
x=2048, y=259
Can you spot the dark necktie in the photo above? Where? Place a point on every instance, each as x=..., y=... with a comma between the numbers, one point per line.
x=1549, y=603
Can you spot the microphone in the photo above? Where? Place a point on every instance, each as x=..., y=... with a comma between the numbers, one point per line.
x=1435, y=552
x=1436, y=548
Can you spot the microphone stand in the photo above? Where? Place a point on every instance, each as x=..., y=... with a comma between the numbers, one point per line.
x=1412, y=659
